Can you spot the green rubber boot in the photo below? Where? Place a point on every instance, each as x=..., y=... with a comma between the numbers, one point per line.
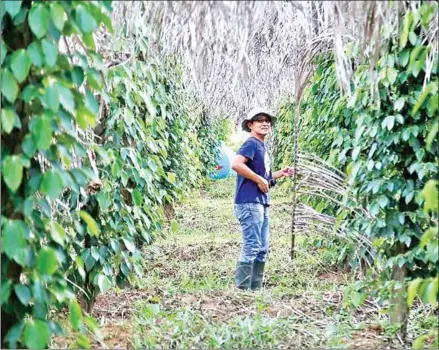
x=257, y=275
x=243, y=275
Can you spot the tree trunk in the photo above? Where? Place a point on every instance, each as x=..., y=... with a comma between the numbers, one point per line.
x=398, y=300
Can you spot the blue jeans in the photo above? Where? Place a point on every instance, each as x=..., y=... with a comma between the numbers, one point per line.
x=254, y=220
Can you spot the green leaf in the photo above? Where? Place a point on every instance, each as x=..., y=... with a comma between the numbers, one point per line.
x=404, y=58
x=431, y=88
x=84, y=118
x=129, y=116
x=58, y=234
x=356, y=298
x=355, y=153
x=91, y=323
x=92, y=226
x=374, y=209
x=66, y=98
x=383, y=201
x=412, y=290
x=77, y=76
x=420, y=153
x=81, y=342
x=399, y=118
x=9, y=86
x=36, y=334
x=28, y=146
x=409, y=197
x=432, y=291
x=20, y=18
x=104, y=283
x=419, y=342
x=85, y=20
x=4, y=51
x=129, y=244
x=12, y=7
x=171, y=177
x=428, y=236
x=415, y=65
x=6, y=290
x=137, y=197
x=36, y=54
x=58, y=16
x=12, y=170
x=29, y=93
x=42, y=133
x=432, y=135
x=50, y=52
x=115, y=246
x=391, y=75
x=413, y=38
x=91, y=102
x=20, y=64
x=101, y=17
x=75, y=315
x=399, y=104
x=388, y=122
x=94, y=79
x=52, y=183
x=28, y=207
x=103, y=199
x=80, y=267
x=38, y=20
x=116, y=167
x=9, y=118
x=47, y=262
x=430, y=194
x=175, y=226
x=51, y=97
x=408, y=19
x=433, y=104
x=13, y=238
x=406, y=134
x=428, y=13
x=89, y=41
x=23, y=293
x=14, y=334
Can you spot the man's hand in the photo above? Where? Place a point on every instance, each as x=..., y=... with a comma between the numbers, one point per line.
x=262, y=184
x=242, y=169
x=287, y=171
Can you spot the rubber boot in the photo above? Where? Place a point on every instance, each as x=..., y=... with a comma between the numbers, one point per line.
x=257, y=275
x=243, y=275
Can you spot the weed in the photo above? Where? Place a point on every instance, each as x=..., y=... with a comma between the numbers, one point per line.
x=187, y=297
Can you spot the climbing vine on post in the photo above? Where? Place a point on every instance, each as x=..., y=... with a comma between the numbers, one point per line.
x=389, y=159
x=385, y=137
x=150, y=158
x=47, y=99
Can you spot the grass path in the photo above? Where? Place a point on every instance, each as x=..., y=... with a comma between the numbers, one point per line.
x=187, y=298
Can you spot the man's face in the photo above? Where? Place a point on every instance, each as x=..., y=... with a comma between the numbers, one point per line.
x=261, y=124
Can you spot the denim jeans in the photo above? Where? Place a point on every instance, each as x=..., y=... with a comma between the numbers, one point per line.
x=254, y=220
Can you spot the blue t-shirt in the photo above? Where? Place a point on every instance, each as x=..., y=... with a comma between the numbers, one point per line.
x=247, y=191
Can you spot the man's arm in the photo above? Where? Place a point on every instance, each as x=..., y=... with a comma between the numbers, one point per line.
x=238, y=164
x=287, y=171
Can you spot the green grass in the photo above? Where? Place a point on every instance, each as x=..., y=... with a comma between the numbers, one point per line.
x=196, y=304
x=186, y=297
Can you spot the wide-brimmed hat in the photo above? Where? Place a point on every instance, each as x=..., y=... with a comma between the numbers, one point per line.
x=254, y=113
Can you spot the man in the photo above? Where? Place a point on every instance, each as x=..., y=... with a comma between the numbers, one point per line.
x=254, y=178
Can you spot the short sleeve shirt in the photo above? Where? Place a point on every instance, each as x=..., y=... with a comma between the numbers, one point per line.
x=247, y=191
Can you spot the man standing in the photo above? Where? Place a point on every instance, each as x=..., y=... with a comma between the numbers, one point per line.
x=254, y=178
